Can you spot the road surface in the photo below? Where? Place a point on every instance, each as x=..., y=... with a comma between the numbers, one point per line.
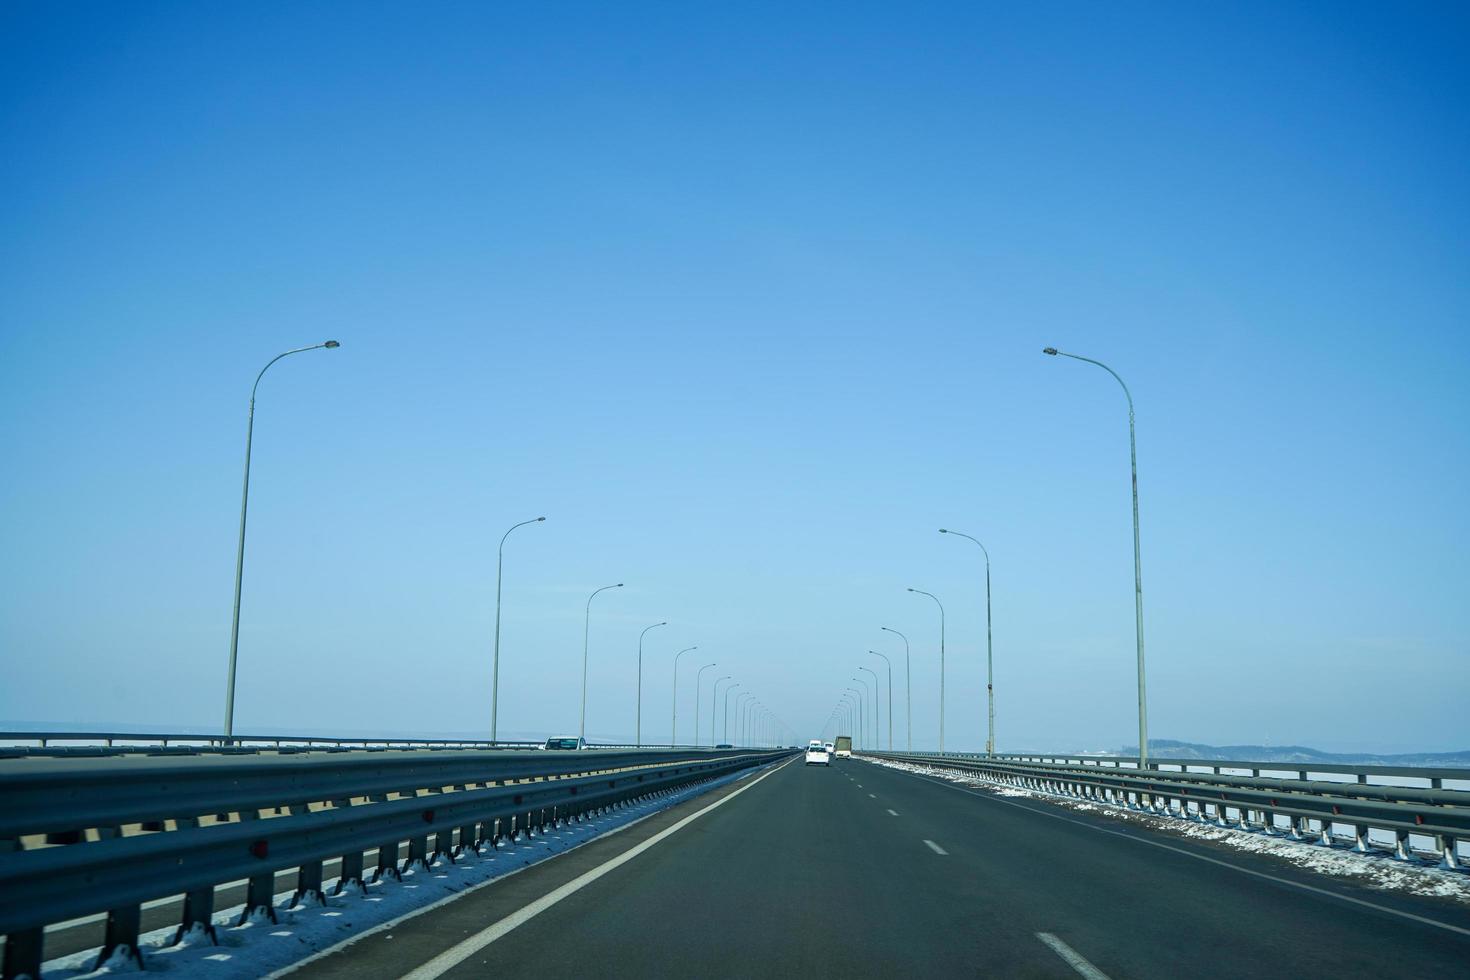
x=864, y=871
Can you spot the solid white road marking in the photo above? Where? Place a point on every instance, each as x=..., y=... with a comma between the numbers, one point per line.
x=893, y=813
x=462, y=951
x=1073, y=958
x=1200, y=857
x=935, y=847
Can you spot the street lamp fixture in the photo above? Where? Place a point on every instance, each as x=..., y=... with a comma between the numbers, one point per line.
x=586, y=631
x=1137, y=560
x=989, y=651
x=908, y=685
x=941, y=663
x=240, y=549
x=495, y=668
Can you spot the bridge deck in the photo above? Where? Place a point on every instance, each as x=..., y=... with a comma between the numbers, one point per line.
x=862, y=871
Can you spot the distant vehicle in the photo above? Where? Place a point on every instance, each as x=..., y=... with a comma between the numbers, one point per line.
x=817, y=754
x=564, y=744
x=843, y=748
x=830, y=747
x=724, y=745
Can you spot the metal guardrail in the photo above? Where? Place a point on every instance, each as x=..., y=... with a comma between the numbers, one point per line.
x=174, y=743
x=1435, y=776
x=1310, y=809
x=80, y=836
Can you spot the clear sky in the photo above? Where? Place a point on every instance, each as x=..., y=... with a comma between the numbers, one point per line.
x=749, y=300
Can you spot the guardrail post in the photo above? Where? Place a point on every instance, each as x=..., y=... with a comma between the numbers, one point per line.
x=260, y=898
x=121, y=937
x=1360, y=839
x=443, y=845
x=198, y=905
x=418, y=852
x=469, y=838
x=23, y=954
x=388, y=862
x=1448, y=859
x=308, y=885
x=198, y=916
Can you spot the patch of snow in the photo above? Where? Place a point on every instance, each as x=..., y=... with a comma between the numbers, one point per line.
x=258, y=947
x=1375, y=869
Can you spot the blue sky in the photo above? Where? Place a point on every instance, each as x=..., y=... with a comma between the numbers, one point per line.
x=749, y=301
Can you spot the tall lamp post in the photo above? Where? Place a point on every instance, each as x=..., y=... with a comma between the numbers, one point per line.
x=714, y=700
x=674, y=724
x=240, y=549
x=908, y=685
x=868, y=698
x=741, y=700
x=1137, y=560
x=698, y=679
x=877, y=702
x=725, y=726
x=638, y=713
x=495, y=669
x=586, y=631
x=989, y=651
x=941, y=663
x=855, y=704
x=890, y=697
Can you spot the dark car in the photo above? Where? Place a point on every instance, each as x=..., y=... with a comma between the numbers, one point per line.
x=724, y=745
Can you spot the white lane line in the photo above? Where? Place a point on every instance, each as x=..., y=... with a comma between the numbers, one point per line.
x=872, y=796
x=893, y=813
x=1074, y=959
x=859, y=785
x=458, y=953
x=1329, y=893
x=935, y=847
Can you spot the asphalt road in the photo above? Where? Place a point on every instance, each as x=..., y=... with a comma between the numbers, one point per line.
x=863, y=871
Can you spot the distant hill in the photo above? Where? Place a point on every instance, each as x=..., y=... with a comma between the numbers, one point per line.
x=1163, y=748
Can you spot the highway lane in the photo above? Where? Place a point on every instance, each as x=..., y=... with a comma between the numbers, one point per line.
x=863, y=871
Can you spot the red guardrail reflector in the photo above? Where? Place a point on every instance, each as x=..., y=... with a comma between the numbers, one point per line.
x=260, y=849
x=428, y=816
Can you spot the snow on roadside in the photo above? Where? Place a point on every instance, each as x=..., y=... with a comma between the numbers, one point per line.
x=1377, y=870
x=259, y=947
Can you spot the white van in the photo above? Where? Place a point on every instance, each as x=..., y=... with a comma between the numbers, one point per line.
x=817, y=754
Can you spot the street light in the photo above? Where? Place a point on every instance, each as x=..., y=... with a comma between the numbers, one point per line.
x=586, y=630
x=674, y=725
x=1137, y=560
x=890, y=696
x=240, y=550
x=638, y=713
x=868, y=698
x=495, y=670
x=857, y=716
x=698, y=678
x=908, y=686
x=714, y=699
x=877, y=722
x=989, y=652
x=941, y=663
x=740, y=703
x=725, y=723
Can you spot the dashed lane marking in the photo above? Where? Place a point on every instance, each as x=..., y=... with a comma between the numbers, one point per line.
x=935, y=847
x=1074, y=959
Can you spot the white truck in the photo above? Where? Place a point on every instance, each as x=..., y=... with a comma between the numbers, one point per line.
x=843, y=747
